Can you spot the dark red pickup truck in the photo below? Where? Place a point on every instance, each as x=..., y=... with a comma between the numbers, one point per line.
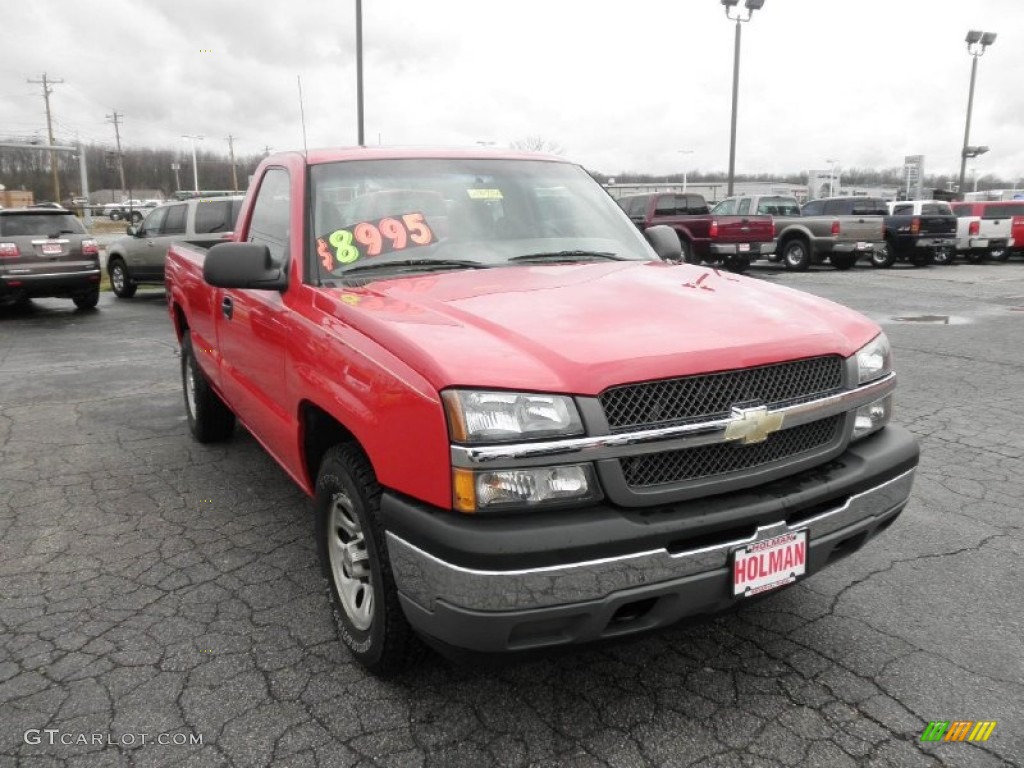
x=732, y=241
x=521, y=427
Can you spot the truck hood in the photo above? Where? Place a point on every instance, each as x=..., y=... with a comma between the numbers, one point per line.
x=581, y=328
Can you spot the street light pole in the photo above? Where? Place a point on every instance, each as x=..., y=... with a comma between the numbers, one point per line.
x=359, y=70
x=684, y=152
x=977, y=42
x=831, y=178
x=751, y=6
x=195, y=168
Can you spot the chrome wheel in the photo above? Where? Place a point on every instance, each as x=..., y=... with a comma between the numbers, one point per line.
x=117, y=278
x=350, y=562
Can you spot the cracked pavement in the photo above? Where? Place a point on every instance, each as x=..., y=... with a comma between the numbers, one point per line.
x=151, y=585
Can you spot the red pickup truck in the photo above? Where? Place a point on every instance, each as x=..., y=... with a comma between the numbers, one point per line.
x=520, y=427
x=721, y=238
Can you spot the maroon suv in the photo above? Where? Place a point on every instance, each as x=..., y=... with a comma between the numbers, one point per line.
x=47, y=252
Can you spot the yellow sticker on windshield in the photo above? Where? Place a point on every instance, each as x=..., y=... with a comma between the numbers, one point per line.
x=484, y=194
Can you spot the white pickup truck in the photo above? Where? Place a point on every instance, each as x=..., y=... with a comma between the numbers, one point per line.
x=984, y=230
x=139, y=258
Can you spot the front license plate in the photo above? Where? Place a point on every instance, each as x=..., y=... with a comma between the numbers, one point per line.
x=744, y=247
x=863, y=246
x=769, y=564
x=51, y=249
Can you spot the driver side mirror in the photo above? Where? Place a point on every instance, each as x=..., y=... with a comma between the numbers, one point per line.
x=243, y=265
x=665, y=242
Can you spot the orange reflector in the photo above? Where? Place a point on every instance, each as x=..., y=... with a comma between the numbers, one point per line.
x=464, y=491
x=456, y=422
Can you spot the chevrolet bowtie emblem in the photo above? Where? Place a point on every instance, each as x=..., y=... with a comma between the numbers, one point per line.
x=752, y=425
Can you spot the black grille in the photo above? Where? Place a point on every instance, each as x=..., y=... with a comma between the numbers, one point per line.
x=722, y=458
x=676, y=400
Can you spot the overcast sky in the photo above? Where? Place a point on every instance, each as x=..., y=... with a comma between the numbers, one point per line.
x=620, y=85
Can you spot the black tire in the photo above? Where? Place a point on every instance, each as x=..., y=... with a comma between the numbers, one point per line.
x=136, y=217
x=115, y=215
x=843, y=261
x=883, y=257
x=918, y=259
x=738, y=264
x=209, y=419
x=686, y=252
x=354, y=559
x=944, y=256
x=120, y=281
x=87, y=300
x=999, y=254
x=796, y=254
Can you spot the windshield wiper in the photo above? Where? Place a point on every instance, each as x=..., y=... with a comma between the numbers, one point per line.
x=568, y=256
x=418, y=264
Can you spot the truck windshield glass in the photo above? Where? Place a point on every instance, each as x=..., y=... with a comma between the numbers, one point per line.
x=482, y=211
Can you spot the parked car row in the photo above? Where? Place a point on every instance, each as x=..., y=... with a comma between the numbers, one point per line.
x=839, y=230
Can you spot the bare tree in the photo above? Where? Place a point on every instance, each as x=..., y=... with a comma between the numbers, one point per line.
x=537, y=143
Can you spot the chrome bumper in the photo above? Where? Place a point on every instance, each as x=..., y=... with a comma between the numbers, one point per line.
x=425, y=579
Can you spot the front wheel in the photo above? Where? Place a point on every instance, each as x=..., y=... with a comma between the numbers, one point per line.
x=883, y=257
x=209, y=419
x=87, y=300
x=354, y=558
x=796, y=255
x=123, y=287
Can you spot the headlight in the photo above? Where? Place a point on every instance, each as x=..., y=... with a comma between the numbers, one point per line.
x=872, y=417
x=479, y=491
x=499, y=417
x=874, y=360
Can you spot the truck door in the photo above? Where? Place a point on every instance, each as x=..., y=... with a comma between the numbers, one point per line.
x=251, y=324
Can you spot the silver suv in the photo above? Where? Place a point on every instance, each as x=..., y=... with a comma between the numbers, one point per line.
x=139, y=258
x=47, y=252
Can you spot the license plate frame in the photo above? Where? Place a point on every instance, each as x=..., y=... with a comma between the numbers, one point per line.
x=773, y=563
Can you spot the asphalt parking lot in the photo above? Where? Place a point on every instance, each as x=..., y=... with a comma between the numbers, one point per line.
x=150, y=585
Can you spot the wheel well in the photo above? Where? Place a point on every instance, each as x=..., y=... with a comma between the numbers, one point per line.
x=320, y=432
x=789, y=238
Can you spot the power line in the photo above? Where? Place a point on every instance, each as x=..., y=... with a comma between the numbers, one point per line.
x=47, y=90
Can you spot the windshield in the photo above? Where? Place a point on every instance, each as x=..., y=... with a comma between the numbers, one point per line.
x=463, y=212
x=779, y=206
x=16, y=224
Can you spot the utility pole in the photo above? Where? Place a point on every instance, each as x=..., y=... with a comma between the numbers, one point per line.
x=47, y=90
x=266, y=150
x=234, y=171
x=115, y=119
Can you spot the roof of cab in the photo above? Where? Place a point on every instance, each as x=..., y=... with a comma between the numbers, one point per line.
x=333, y=155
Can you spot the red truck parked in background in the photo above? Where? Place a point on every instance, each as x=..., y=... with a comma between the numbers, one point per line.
x=521, y=427
x=724, y=238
